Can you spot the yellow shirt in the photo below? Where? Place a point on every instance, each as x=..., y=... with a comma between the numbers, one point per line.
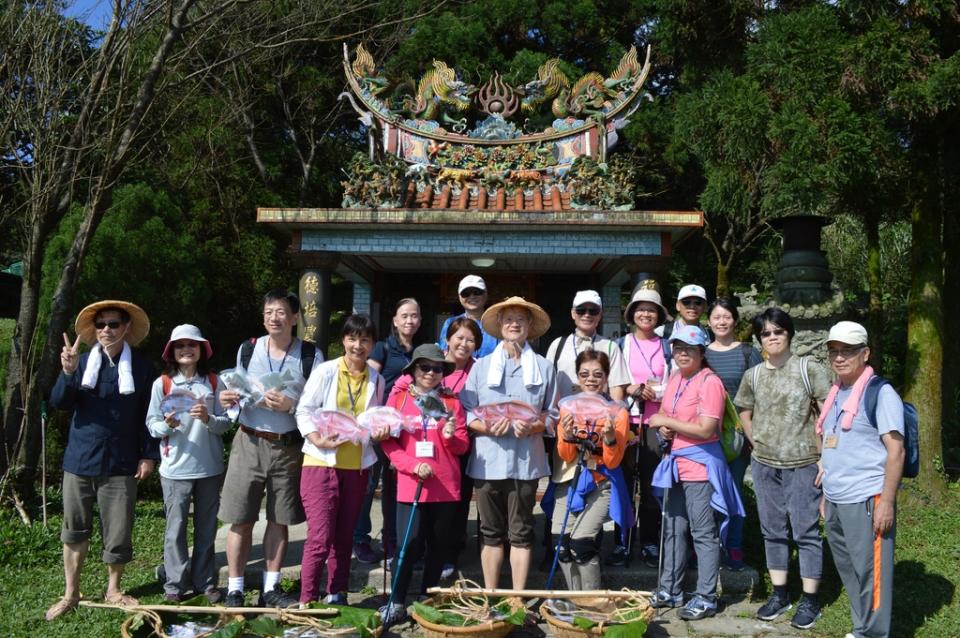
x=351, y=393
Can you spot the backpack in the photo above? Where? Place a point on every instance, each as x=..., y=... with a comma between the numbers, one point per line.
x=911, y=425
x=308, y=352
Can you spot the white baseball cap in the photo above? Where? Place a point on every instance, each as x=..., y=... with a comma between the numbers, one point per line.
x=471, y=281
x=692, y=290
x=587, y=296
x=848, y=332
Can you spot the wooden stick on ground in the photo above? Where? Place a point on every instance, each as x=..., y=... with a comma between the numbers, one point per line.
x=540, y=593
x=198, y=609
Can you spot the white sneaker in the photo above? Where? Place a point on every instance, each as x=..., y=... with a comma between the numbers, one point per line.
x=849, y=636
x=447, y=571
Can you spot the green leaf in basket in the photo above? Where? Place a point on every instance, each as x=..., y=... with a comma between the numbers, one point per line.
x=634, y=629
x=428, y=613
x=584, y=623
x=518, y=617
x=264, y=626
x=230, y=630
x=137, y=621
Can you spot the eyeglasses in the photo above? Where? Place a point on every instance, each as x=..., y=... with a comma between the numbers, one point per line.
x=692, y=302
x=186, y=344
x=113, y=325
x=592, y=311
x=685, y=349
x=472, y=292
x=586, y=374
x=776, y=332
x=846, y=353
x=427, y=368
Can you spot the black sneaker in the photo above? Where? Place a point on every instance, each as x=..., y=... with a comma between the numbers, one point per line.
x=277, y=598
x=775, y=606
x=807, y=613
x=619, y=557
x=650, y=555
x=234, y=599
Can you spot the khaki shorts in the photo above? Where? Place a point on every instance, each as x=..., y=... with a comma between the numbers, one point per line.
x=115, y=497
x=505, y=507
x=256, y=466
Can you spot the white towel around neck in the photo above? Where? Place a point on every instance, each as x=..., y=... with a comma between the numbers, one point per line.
x=528, y=366
x=124, y=369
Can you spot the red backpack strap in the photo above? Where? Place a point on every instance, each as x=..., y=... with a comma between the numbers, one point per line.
x=212, y=378
x=167, y=383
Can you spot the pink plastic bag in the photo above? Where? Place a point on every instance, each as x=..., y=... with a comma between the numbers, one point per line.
x=380, y=416
x=341, y=424
x=513, y=410
x=589, y=407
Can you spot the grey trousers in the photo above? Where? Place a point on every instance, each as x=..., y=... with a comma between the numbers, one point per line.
x=115, y=497
x=183, y=571
x=855, y=547
x=787, y=501
x=688, y=511
x=582, y=526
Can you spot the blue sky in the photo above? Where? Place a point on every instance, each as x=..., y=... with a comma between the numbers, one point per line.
x=95, y=13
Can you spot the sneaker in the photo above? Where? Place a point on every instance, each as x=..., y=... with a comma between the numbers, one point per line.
x=161, y=573
x=335, y=599
x=619, y=557
x=173, y=598
x=213, y=595
x=392, y=613
x=234, y=599
x=650, y=555
x=447, y=571
x=661, y=599
x=698, y=608
x=391, y=563
x=365, y=554
x=277, y=598
x=775, y=606
x=807, y=613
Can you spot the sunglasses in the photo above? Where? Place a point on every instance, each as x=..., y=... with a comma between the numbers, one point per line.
x=586, y=374
x=778, y=332
x=113, y=325
x=472, y=292
x=846, y=353
x=592, y=311
x=427, y=368
x=692, y=302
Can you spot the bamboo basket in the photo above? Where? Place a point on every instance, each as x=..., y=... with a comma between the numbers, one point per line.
x=489, y=629
x=562, y=629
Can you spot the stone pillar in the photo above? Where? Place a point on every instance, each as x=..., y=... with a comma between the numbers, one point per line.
x=315, y=295
x=362, y=298
x=612, y=312
x=315, y=302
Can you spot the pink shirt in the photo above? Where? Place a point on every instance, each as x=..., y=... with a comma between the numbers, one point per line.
x=444, y=485
x=688, y=400
x=646, y=362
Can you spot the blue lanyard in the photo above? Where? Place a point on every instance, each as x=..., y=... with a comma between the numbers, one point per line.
x=682, y=387
x=423, y=423
x=282, y=361
x=649, y=361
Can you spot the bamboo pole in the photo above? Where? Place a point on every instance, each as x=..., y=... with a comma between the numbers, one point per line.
x=198, y=609
x=539, y=593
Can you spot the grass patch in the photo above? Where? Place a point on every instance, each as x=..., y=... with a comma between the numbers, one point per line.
x=926, y=590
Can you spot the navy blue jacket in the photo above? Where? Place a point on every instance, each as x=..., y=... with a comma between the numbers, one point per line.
x=108, y=432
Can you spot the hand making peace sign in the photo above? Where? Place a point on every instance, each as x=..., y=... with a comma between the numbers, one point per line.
x=69, y=358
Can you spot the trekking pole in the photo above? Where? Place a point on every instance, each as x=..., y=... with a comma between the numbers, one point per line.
x=584, y=450
x=636, y=493
x=403, y=546
x=663, y=527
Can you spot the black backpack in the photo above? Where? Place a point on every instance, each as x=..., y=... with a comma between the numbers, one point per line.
x=308, y=352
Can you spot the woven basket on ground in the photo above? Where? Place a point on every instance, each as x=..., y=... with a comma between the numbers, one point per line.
x=562, y=629
x=489, y=629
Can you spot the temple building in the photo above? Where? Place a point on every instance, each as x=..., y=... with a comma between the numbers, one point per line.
x=461, y=179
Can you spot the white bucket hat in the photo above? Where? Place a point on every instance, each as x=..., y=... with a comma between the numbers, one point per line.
x=189, y=332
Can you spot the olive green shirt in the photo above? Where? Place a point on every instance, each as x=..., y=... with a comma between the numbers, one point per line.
x=784, y=423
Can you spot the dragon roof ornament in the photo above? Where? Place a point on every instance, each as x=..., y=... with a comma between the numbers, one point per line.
x=476, y=138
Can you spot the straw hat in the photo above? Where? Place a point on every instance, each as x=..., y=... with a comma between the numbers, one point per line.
x=538, y=325
x=139, y=323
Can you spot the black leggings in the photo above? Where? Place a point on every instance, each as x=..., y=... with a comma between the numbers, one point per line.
x=430, y=537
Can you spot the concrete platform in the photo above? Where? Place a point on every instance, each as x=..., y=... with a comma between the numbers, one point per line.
x=371, y=577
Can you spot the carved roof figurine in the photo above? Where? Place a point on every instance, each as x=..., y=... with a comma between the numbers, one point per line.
x=466, y=162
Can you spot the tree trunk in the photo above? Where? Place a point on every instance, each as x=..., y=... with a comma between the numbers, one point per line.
x=875, y=319
x=723, y=279
x=924, y=370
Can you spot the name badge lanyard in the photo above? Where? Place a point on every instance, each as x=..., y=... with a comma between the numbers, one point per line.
x=676, y=397
x=649, y=361
x=351, y=396
x=282, y=361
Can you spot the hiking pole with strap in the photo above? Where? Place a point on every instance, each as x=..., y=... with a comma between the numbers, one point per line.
x=403, y=546
x=586, y=447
